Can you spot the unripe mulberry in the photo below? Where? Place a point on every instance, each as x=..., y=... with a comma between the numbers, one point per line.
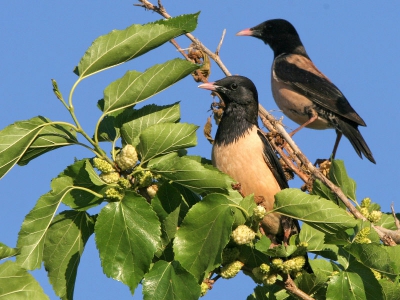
x=259, y=212
x=231, y=270
x=243, y=235
x=109, y=178
x=102, y=165
x=127, y=158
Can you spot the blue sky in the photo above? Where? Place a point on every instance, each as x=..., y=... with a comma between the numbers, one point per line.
x=355, y=44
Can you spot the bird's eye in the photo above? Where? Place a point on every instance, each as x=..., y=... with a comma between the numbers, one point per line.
x=234, y=86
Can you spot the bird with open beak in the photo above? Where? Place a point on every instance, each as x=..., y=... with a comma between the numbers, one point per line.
x=242, y=151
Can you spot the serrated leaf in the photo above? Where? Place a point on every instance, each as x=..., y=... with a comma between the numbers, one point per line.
x=338, y=175
x=164, y=138
x=127, y=236
x=203, y=235
x=63, y=248
x=313, y=210
x=390, y=290
x=373, y=256
x=135, y=87
x=193, y=175
x=49, y=138
x=321, y=267
x=167, y=205
x=135, y=121
x=311, y=285
x=357, y=282
x=168, y=280
x=17, y=283
x=6, y=251
x=82, y=174
x=16, y=140
x=252, y=257
x=316, y=242
x=120, y=46
x=107, y=131
x=68, y=187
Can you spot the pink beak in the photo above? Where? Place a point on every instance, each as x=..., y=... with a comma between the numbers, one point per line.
x=208, y=86
x=245, y=32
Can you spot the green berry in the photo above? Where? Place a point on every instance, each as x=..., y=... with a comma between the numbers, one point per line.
x=102, y=165
x=124, y=183
x=109, y=178
x=270, y=279
x=203, y=289
x=231, y=270
x=144, y=178
x=265, y=268
x=259, y=212
x=127, y=158
x=229, y=255
x=375, y=216
x=362, y=236
x=114, y=194
x=364, y=211
x=243, y=235
x=366, y=202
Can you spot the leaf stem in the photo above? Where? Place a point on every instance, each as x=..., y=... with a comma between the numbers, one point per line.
x=97, y=149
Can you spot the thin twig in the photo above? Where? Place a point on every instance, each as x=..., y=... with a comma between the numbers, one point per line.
x=220, y=43
x=274, y=126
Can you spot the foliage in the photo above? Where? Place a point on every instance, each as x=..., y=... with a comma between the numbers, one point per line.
x=166, y=218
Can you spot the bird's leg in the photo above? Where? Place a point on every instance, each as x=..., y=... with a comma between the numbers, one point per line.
x=313, y=116
x=338, y=137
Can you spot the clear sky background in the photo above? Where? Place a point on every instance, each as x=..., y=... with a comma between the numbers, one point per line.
x=356, y=44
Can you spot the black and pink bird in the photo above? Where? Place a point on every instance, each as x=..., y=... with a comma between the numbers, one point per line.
x=242, y=151
x=303, y=92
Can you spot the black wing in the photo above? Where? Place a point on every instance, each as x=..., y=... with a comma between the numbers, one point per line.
x=318, y=89
x=273, y=162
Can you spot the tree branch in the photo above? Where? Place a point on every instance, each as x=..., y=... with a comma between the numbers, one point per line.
x=296, y=156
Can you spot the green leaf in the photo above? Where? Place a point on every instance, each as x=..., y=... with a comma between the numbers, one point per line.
x=63, y=248
x=193, y=175
x=312, y=285
x=135, y=121
x=390, y=290
x=17, y=283
x=6, y=251
x=203, y=235
x=373, y=256
x=313, y=210
x=82, y=175
x=127, y=234
x=252, y=257
x=135, y=87
x=164, y=138
x=16, y=140
x=49, y=138
x=357, y=282
x=168, y=280
x=120, y=46
x=316, y=242
x=36, y=223
x=167, y=205
x=268, y=292
x=338, y=175
x=107, y=131
x=321, y=267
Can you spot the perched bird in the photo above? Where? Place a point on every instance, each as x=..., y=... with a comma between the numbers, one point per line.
x=302, y=92
x=242, y=151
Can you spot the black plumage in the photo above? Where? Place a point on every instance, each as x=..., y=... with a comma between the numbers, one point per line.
x=242, y=151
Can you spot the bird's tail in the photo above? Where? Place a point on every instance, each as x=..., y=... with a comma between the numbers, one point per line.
x=351, y=131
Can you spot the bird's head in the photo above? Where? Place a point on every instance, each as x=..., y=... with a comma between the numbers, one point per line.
x=234, y=89
x=279, y=34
